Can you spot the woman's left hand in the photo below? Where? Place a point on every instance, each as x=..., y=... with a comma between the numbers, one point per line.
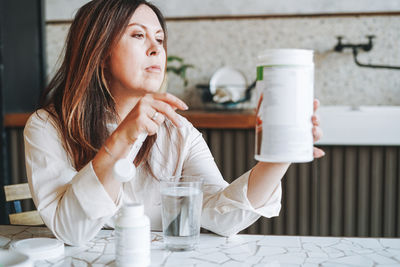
x=316, y=130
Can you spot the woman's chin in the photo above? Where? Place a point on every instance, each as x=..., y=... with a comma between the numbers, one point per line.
x=149, y=86
x=153, y=86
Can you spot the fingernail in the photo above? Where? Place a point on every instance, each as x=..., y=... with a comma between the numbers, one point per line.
x=185, y=107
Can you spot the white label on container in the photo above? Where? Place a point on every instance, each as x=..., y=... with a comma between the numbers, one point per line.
x=286, y=94
x=284, y=127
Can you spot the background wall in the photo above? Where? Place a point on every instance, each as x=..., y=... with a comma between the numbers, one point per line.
x=64, y=10
x=215, y=42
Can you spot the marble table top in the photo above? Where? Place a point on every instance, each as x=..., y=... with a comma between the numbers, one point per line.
x=239, y=250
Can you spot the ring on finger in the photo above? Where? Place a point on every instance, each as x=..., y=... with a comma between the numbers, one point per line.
x=154, y=117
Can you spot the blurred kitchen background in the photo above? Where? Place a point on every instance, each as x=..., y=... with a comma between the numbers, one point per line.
x=353, y=191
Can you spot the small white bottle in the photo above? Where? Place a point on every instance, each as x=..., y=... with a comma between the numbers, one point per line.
x=132, y=233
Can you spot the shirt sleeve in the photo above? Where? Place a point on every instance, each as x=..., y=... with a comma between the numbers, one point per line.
x=73, y=205
x=226, y=208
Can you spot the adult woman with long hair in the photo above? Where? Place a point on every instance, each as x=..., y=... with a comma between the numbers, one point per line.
x=104, y=95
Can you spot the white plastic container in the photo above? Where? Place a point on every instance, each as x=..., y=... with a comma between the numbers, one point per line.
x=285, y=87
x=132, y=232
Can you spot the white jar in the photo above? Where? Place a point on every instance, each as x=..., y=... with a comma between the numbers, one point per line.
x=285, y=88
x=133, y=238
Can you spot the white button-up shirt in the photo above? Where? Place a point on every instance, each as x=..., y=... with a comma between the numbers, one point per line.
x=75, y=206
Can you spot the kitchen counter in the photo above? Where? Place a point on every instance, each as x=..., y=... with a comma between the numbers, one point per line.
x=342, y=125
x=239, y=250
x=221, y=119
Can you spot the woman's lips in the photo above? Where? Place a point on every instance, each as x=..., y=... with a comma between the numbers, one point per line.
x=154, y=68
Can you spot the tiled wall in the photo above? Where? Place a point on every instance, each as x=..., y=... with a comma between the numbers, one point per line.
x=212, y=43
x=65, y=9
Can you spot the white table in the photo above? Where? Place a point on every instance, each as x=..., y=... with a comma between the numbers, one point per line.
x=240, y=250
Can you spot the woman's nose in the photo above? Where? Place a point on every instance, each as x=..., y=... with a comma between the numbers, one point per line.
x=154, y=48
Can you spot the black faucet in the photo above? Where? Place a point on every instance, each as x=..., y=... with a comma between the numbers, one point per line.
x=365, y=47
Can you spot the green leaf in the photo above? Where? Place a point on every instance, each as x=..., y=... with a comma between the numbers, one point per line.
x=179, y=70
x=174, y=58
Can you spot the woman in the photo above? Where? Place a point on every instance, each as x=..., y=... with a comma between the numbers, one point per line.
x=103, y=96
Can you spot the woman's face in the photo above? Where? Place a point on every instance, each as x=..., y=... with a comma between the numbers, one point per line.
x=137, y=62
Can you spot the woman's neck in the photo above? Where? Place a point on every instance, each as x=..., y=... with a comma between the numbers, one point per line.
x=124, y=105
x=125, y=100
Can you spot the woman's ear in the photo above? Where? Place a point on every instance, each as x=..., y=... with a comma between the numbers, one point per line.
x=104, y=63
x=105, y=78
x=105, y=70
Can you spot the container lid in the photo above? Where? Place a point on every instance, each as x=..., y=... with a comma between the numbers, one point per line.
x=39, y=248
x=134, y=210
x=14, y=258
x=124, y=170
x=285, y=57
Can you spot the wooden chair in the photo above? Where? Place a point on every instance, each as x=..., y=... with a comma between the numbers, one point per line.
x=16, y=193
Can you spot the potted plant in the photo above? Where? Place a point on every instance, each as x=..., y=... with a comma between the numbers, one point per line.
x=177, y=66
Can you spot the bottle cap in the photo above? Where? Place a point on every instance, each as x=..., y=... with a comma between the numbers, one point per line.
x=124, y=170
x=39, y=248
x=134, y=210
x=285, y=57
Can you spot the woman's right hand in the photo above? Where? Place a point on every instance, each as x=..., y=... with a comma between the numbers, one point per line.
x=148, y=114
x=140, y=119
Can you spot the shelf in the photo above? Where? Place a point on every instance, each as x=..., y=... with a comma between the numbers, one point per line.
x=16, y=119
x=342, y=125
x=243, y=119
x=203, y=119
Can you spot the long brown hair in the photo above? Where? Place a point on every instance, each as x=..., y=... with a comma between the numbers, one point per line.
x=78, y=97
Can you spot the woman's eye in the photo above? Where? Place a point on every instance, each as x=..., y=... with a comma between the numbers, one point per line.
x=138, y=35
x=160, y=41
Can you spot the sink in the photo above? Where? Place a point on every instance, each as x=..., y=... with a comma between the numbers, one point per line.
x=362, y=125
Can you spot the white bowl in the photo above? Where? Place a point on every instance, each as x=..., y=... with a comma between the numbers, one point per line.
x=227, y=76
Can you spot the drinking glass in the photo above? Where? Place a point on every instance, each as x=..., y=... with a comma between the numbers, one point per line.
x=181, y=204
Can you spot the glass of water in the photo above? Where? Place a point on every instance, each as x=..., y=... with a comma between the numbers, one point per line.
x=181, y=204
